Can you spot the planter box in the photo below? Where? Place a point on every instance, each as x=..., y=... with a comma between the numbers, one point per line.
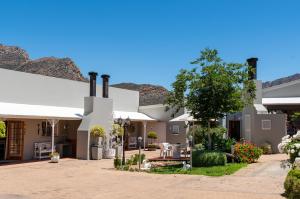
x=110, y=153
x=55, y=159
x=97, y=153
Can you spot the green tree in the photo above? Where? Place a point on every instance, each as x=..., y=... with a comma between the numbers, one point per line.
x=214, y=89
x=2, y=130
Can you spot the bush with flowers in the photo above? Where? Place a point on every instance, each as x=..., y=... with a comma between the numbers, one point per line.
x=291, y=146
x=247, y=152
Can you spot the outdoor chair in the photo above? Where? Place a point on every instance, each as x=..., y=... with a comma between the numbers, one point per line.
x=132, y=143
x=165, y=149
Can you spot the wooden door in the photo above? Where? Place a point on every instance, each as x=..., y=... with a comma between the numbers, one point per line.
x=15, y=140
x=234, y=130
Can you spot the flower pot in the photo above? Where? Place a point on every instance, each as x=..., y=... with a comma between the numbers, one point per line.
x=55, y=158
x=110, y=153
x=97, y=152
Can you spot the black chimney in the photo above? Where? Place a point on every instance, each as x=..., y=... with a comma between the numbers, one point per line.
x=105, y=79
x=93, y=79
x=252, y=63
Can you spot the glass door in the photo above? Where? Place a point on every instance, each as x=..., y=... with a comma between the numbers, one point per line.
x=15, y=140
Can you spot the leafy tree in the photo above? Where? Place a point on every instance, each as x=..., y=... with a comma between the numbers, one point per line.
x=2, y=130
x=295, y=116
x=212, y=90
x=117, y=130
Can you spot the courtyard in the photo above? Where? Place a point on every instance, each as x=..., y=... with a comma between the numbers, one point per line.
x=81, y=179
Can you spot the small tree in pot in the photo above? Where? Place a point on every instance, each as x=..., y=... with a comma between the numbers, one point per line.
x=54, y=157
x=98, y=133
x=2, y=130
x=152, y=135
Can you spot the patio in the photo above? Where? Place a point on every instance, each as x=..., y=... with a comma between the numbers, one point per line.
x=80, y=179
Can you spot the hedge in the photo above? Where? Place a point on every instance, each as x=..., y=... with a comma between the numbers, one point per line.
x=208, y=158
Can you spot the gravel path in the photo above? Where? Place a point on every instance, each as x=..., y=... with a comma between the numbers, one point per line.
x=78, y=179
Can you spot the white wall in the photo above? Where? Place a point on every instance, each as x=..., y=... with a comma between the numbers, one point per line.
x=159, y=128
x=31, y=135
x=26, y=88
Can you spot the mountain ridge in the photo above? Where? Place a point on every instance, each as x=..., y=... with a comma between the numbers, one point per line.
x=16, y=58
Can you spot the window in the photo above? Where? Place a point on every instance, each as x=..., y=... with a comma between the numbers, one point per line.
x=266, y=124
x=175, y=129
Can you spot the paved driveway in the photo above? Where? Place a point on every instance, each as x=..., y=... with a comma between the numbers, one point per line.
x=79, y=179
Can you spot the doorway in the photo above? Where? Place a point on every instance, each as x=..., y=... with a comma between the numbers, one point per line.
x=234, y=130
x=15, y=140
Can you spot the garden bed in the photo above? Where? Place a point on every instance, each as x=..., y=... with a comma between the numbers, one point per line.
x=227, y=169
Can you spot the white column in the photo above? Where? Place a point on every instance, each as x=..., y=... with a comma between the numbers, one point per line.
x=145, y=131
x=53, y=122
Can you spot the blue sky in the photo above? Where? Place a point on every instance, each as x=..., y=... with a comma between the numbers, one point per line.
x=150, y=41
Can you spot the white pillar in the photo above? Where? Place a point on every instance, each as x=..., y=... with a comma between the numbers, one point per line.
x=53, y=122
x=53, y=126
x=145, y=131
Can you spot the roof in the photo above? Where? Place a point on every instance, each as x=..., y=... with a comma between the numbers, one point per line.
x=261, y=109
x=134, y=116
x=12, y=110
x=186, y=117
x=281, y=101
x=283, y=85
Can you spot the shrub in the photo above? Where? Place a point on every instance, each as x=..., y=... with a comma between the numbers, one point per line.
x=208, y=158
x=217, y=137
x=97, y=131
x=152, y=135
x=135, y=158
x=152, y=146
x=291, y=146
x=2, y=130
x=227, y=144
x=266, y=148
x=199, y=147
x=247, y=152
x=117, y=162
x=292, y=184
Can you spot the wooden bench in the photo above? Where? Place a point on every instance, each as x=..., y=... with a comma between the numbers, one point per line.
x=42, y=150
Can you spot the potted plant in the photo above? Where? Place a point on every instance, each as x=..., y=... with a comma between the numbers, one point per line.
x=98, y=133
x=118, y=132
x=54, y=157
x=152, y=135
x=2, y=130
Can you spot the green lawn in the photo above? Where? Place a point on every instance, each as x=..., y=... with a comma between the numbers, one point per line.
x=228, y=169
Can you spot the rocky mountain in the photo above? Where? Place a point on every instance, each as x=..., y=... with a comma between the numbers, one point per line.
x=11, y=57
x=15, y=58
x=281, y=80
x=149, y=94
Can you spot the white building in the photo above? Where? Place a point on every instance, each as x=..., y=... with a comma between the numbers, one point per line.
x=30, y=104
